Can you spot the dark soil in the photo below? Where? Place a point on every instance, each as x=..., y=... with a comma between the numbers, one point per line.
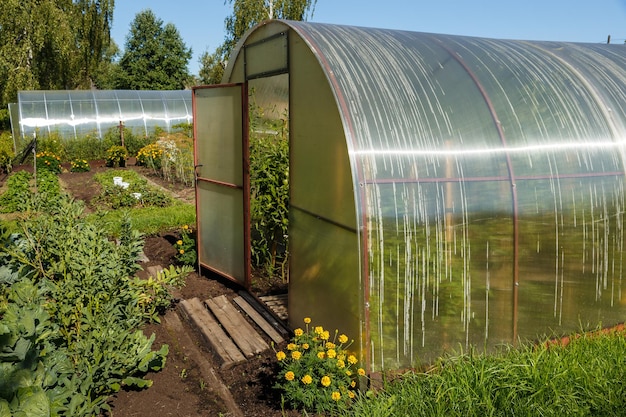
x=179, y=389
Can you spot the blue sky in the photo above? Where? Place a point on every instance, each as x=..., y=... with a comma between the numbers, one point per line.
x=201, y=22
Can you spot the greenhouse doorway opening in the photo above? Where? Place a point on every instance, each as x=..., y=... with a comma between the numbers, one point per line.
x=242, y=172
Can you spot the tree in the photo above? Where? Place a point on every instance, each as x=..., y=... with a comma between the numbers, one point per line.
x=51, y=44
x=155, y=57
x=246, y=14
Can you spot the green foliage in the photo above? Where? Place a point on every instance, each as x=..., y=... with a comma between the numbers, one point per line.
x=155, y=57
x=138, y=193
x=186, y=247
x=171, y=157
x=154, y=293
x=80, y=165
x=48, y=161
x=116, y=156
x=318, y=373
x=149, y=220
x=584, y=378
x=6, y=152
x=88, y=148
x=70, y=324
x=269, y=193
x=17, y=195
x=51, y=44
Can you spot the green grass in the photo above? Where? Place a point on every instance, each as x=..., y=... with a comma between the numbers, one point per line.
x=149, y=220
x=585, y=378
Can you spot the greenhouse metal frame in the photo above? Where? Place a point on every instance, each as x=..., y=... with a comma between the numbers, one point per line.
x=445, y=191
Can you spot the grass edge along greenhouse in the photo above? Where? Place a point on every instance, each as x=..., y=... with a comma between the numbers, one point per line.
x=445, y=191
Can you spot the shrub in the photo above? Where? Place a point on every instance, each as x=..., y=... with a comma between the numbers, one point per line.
x=6, y=152
x=80, y=165
x=317, y=373
x=49, y=161
x=150, y=156
x=116, y=156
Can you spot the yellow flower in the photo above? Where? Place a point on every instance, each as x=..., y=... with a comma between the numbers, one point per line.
x=353, y=384
x=330, y=345
x=331, y=353
x=305, y=346
x=280, y=355
x=296, y=355
x=181, y=251
x=335, y=396
x=291, y=346
x=319, y=330
x=179, y=242
x=298, y=332
x=325, y=335
x=352, y=359
x=307, y=379
x=325, y=381
x=321, y=355
x=351, y=394
x=348, y=372
x=307, y=320
x=343, y=338
x=341, y=364
x=361, y=371
x=289, y=376
x=185, y=227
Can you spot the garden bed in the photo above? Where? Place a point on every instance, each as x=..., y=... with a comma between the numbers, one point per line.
x=179, y=389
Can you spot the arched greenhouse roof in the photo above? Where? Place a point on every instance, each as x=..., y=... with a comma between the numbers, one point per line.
x=72, y=113
x=445, y=190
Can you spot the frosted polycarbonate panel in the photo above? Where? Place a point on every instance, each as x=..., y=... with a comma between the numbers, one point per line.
x=74, y=113
x=572, y=235
x=266, y=57
x=221, y=227
x=470, y=159
x=439, y=270
x=219, y=156
x=323, y=259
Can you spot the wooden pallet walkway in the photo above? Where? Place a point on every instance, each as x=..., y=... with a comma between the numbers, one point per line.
x=226, y=330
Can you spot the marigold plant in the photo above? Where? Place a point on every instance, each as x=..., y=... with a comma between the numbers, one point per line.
x=317, y=373
x=49, y=161
x=80, y=165
x=186, y=247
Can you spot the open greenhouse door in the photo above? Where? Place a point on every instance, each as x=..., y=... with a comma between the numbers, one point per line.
x=222, y=180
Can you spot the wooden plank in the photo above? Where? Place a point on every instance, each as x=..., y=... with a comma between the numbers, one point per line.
x=244, y=335
x=259, y=320
x=267, y=313
x=221, y=344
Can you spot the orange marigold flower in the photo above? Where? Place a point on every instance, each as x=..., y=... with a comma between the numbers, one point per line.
x=289, y=376
x=361, y=371
x=280, y=355
x=296, y=355
x=321, y=355
x=306, y=379
x=298, y=332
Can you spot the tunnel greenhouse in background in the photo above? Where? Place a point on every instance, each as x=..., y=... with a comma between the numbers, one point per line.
x=445, y=191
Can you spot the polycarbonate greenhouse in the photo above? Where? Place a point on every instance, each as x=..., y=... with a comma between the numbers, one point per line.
x=445, y=191
x=74, y=113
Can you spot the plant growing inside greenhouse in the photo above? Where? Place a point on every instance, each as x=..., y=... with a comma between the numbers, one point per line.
x=80, y=165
